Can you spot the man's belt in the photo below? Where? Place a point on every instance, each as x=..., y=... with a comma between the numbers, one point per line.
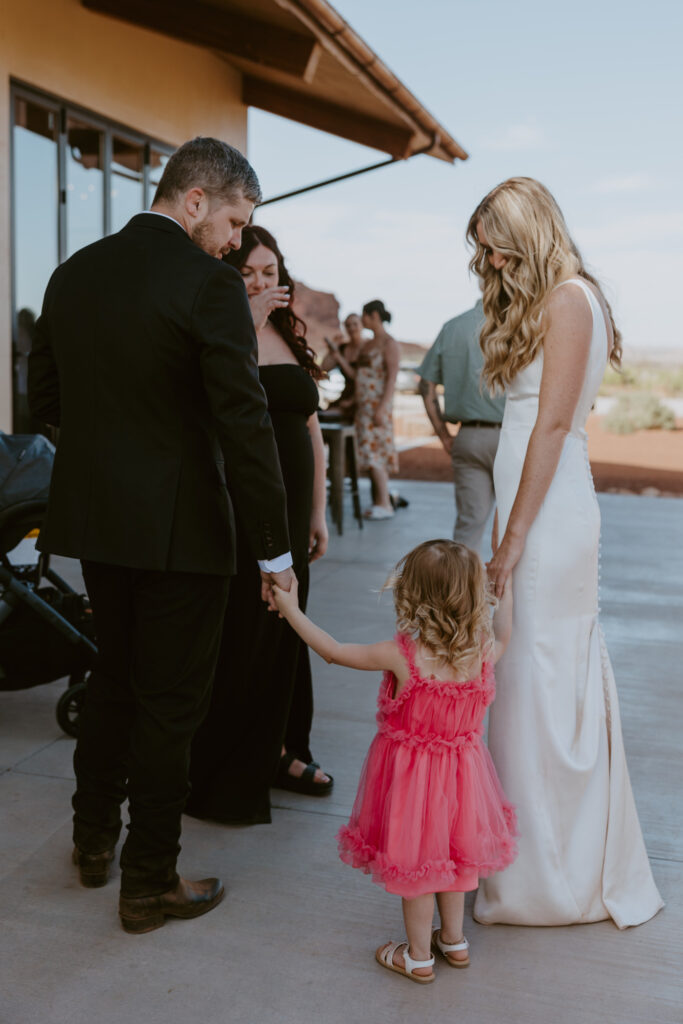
x=478, y=423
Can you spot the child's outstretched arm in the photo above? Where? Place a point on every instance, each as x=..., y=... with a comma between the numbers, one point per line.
x=371, y=657
x=502, y=620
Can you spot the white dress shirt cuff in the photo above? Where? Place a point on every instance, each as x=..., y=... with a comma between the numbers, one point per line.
x=278, y=564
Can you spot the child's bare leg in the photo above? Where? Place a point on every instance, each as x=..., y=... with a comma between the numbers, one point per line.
x=418, y=915
x=451, y=912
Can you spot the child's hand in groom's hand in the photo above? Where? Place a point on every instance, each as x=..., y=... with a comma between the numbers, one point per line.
x=284, y=580
x=287, y=601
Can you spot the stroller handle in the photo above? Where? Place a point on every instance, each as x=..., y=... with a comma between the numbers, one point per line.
x=27, y=597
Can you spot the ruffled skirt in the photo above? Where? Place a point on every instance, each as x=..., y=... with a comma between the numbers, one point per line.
x=427, y=821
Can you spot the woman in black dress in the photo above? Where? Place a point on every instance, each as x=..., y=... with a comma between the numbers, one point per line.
x=255, y=734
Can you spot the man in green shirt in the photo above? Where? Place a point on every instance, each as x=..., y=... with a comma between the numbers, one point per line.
x=456, y=360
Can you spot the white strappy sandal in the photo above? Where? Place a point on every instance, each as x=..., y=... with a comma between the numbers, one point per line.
x=385, y=957
x=377, y=512
x=450, y=947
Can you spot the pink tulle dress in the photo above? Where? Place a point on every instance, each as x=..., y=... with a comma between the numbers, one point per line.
x=430, y=814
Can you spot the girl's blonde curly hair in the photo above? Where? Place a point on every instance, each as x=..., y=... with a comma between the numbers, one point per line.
x=522, y=221
x=441, y=594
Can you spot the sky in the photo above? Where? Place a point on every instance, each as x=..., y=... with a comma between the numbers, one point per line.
x=587, y=97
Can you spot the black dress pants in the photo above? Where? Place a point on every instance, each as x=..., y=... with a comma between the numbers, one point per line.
x=158, y=636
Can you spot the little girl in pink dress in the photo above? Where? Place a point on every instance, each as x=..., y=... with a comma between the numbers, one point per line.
x=430, y=817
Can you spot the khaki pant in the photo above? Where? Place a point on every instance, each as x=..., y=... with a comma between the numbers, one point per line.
x=473, y=453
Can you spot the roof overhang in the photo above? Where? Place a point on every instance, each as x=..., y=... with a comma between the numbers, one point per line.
x=301, y=60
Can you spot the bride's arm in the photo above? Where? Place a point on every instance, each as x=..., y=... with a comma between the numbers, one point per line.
x=565, y=355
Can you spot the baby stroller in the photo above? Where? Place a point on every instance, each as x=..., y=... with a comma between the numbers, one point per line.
x=46, y=628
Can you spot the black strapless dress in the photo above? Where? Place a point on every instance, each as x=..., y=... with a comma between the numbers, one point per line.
x=262, y=694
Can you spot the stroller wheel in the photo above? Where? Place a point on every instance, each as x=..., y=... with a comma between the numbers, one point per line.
x=69, y=707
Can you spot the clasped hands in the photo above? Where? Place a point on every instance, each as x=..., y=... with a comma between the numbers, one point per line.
x=505, y=558
x=286, y=601
x=285, y=581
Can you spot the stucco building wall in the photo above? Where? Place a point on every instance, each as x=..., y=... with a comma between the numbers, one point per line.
x=156, y=85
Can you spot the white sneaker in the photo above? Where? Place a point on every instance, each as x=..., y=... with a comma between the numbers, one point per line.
x=377, y=512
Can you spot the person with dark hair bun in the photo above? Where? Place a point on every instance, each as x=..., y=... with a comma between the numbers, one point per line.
x=376, y=372
x=256, y=733
x=377, y=306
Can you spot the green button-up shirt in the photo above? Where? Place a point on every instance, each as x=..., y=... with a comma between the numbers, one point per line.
x=456, y=360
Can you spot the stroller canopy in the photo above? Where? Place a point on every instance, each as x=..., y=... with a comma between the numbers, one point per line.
x=25, y=471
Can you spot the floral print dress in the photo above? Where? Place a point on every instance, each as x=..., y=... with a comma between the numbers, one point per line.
x=375, y=443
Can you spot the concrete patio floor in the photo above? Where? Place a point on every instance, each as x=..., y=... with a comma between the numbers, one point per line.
x=294, y=939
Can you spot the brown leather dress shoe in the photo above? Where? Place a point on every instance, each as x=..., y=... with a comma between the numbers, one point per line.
x=188, y=899
x=93, y=868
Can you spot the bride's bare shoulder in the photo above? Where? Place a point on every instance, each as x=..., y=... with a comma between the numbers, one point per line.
x=567, y=297
x=568, y=306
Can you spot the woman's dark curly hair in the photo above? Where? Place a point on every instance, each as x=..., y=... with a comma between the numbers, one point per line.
x=289, y=325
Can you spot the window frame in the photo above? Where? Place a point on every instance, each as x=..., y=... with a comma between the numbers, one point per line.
x=63, y=110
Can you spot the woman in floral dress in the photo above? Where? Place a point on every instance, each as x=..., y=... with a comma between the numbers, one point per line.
x=376, y=373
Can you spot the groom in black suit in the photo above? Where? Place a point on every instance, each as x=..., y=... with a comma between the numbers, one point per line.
x=145, y=358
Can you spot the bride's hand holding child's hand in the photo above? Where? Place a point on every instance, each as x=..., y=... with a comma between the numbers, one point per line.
x=287, y=601
x=503, y=562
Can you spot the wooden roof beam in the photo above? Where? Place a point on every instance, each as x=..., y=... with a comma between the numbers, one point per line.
x=233, y=34
x=339, y=39
x=327, y=117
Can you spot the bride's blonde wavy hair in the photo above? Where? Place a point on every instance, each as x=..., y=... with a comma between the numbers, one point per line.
x=522, y=221
x=442, y=596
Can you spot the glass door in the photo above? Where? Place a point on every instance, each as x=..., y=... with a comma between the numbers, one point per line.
x=85, y=164
x=35, y=232
x=127, y=181
x=75, y=178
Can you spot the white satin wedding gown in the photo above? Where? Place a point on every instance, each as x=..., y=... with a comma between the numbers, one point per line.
x=554, y=729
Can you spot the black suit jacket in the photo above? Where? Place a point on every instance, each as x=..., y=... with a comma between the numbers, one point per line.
x=145, y=357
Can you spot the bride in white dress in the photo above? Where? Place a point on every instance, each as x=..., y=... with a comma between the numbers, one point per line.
x=554, y=732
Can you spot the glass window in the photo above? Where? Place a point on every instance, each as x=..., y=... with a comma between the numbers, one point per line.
x=36, y=196
x=127, y=181
x=84, y=185
x=157, y=164
x=64, y=196
x=36, y=233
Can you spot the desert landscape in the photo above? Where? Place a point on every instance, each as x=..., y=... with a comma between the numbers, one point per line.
x=635, y=437
x=648, y=462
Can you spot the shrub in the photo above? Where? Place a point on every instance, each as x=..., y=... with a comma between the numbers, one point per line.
x=638, y=412
x=669, y=381
x=626, y=377
x=662, y=380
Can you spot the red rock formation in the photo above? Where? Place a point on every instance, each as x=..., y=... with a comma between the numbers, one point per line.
x=320, y=313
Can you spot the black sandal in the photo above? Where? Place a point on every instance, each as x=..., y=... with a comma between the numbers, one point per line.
x=397, y=500
x=304, y=783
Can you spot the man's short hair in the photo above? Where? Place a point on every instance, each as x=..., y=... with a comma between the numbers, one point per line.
x=212, y=165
